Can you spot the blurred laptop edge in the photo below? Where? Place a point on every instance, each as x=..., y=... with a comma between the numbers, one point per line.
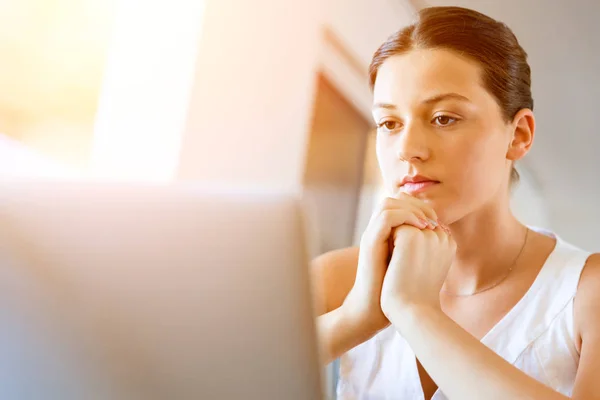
x=151, y=292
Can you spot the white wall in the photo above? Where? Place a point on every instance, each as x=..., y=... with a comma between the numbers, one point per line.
x=527, y=201
x=363, y=25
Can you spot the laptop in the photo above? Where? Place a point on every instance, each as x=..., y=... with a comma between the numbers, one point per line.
x=117, y=291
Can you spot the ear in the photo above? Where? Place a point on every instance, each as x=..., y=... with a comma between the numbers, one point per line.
x=523, y=132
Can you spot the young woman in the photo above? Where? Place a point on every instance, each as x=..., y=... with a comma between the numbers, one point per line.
x=449, y=295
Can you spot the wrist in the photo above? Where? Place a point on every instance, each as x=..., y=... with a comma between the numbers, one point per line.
x=405, y=316
x=361, y=324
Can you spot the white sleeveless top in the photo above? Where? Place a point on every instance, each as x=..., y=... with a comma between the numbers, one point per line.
x=536, y=336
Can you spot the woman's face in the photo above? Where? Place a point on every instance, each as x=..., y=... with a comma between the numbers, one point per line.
x=436, y=122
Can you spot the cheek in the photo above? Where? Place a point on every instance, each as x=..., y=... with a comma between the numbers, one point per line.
x=482, y=163
x=474, y=172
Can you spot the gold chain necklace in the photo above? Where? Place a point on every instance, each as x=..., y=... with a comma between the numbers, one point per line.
x=485, y=289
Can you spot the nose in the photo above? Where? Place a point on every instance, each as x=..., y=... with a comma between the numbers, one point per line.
x=412, y=144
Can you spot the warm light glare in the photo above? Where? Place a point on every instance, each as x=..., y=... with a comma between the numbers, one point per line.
x=53, y=56
x=145, y=95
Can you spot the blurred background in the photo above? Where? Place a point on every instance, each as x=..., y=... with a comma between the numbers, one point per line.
x=272, y=92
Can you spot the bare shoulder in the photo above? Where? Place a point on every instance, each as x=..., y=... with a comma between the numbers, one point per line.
x=333, y=275
x=587, y=301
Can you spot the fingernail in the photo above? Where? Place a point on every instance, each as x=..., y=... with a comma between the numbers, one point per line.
x=433, y=223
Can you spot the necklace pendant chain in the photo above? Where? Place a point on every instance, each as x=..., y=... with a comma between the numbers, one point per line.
x=502, y=279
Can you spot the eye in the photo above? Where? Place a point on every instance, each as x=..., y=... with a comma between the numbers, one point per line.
x=388, y=125
x=444, y=120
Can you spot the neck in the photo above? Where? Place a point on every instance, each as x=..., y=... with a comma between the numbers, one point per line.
x=488, y=242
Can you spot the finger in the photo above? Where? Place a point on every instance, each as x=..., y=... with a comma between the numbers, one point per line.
x=445, y=228
x=407, y=203
x=433, y=234
x=420, y=204
x=390, y=219
x=401, y=232
x=445, y=236
x=427, y=209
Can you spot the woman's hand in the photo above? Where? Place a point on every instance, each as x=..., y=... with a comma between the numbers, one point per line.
x=362, y=305
x=417, y=270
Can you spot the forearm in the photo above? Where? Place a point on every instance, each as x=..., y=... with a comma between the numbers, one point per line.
x=338, y=333
x=461, y=365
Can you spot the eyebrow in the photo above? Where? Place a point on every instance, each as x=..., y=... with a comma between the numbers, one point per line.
x=431, y=100
x=445, y=96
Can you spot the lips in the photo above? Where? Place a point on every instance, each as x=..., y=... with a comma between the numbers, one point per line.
x=416, y=184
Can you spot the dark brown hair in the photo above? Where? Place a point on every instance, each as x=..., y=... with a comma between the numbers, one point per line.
x=505, y=71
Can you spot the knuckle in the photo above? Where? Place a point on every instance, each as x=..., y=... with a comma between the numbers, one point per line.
x=429, y=233
x=386, y=203
x=412, y=231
